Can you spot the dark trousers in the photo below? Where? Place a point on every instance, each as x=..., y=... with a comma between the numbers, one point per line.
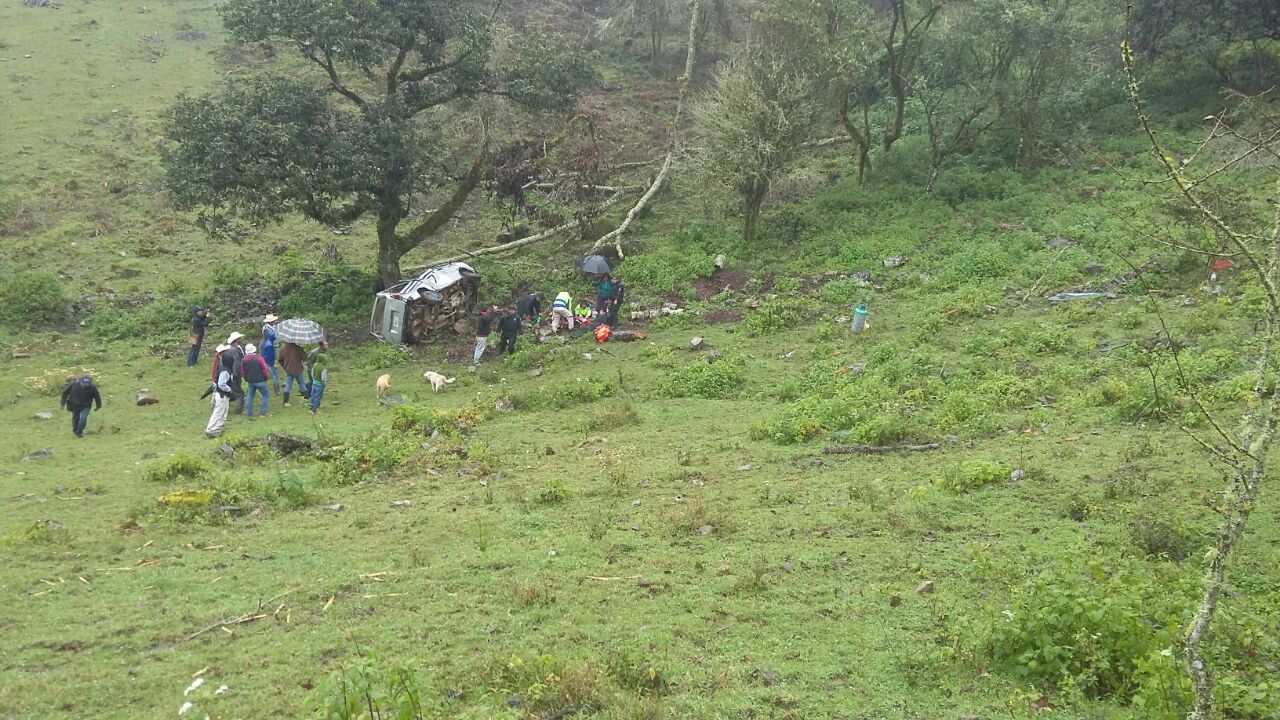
x=193, y=356
x=507, y=344
x=79, y=420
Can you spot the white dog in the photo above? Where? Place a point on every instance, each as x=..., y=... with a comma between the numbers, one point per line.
x=437, y=380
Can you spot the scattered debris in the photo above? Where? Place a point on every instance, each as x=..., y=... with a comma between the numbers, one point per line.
x=144, y=398
x=706, y=529
x=257, y=614
x=536, y=372
x=876, y=449
x=42, y=3
x=334, y=507
x=401, y=503
x=721, y=261
x=42, y=415
x=501, y=405
x=394, y=400
x=283, y=445
x=895, y=261
x=1094, y=268
x=38, y=455
x=1065, y=296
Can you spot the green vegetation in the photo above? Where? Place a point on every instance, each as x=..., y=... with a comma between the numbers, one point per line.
x=636, y=530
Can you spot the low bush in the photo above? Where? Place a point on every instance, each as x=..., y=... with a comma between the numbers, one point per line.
x=611, y=416
x=1158, y=537
x=32, y=297
x=565, y=394
x=972, y=474
x=165, y=319
x=367, y=458
x=776, y=315
x=179, y=468
x=1106, y=635
x=703, y=379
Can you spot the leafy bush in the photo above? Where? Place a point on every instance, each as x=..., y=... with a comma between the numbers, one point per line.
x=363, y=459
x=1161, y=538
x=703, y=379
x=972, y=474
x=671, y=268
x=32, y=297
x=554, y=491
x=775, y=316
x=565, y=394
x=334, y=296
x=611, y=415
x=844, y=294
x=659, y=356
x=411, y=417
x=1102, y=634
x=885, y=427
x=179, y=468
x=1147, y=402
x=164, y=319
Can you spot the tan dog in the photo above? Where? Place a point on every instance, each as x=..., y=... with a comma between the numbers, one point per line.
x=384, y=384
x=437, y=380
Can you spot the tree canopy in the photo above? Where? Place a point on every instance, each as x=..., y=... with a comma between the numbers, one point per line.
x=362, y=134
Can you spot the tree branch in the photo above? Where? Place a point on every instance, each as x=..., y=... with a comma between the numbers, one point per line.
x=660, y=179
x=309, y=52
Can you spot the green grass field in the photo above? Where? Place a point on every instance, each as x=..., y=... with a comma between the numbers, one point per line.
x=641, y=530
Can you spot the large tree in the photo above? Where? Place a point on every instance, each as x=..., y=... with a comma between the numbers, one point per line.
x=365, y=133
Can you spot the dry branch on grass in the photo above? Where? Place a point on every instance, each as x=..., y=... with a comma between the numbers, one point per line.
x=876, y=449
x=255, y=614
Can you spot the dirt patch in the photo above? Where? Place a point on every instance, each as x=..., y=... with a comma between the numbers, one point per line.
x=719, y=281
x=722, y=316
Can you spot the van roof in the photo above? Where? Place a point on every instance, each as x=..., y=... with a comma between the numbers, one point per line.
x=434, y=278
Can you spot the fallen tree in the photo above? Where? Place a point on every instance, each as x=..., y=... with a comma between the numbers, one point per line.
x=876, y=449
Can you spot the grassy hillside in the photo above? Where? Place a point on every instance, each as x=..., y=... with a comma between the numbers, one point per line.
x=635, y=529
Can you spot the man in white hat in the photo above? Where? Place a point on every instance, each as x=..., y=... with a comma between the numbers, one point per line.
x=256, y=374
x=268, y=349
x=222, y=393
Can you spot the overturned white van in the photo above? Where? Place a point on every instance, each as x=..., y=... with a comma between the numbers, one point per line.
x=442, y=297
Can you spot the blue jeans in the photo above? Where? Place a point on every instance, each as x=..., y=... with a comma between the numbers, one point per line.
x=290, y=380
x=275, y=379
x=481, y=342
x=79, y=420
x=254, y=388
x=317, y=394
x=193, y=356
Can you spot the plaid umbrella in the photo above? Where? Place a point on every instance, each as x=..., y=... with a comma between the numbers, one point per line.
x=594, y=265
x=299, y=331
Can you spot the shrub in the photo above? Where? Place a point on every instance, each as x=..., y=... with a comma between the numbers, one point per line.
x=844, y=293
x=703, y=379
x=32, y=297
x=183, y=468
x=554, y=491
x=612, y=415
x=362, y=459
x=164, y=319
x=1147, y=402
x=411, y=417
x=775, y=316
x=972, y=474
x=1098, y=634
x=1161, y=538
x=565, y=394
x=334, y=296
x=885, y=427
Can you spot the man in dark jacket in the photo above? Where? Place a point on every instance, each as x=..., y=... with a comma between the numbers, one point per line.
x=484, y=326
x=293, y=359
x=78, y=396
x=529, y=308
x=508, y=328
x=256, y=373
x=199, y=321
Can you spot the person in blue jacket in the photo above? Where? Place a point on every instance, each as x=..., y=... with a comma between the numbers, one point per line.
x=268, y=349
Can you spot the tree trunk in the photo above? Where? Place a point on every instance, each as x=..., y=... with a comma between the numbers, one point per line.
x=752, y=200
x=390, y=246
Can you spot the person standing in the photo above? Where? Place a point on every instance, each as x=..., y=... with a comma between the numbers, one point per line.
x=561, y=314
x=293, y=359
x=484, y=327
x=256, y=374
x=78, y=396
x=268, y=349
x=311, y=360
x=509, y=329
x=318, y=367
x=199, y=321
x=616, y=296
x=235, y=350
x=223, y=391
x=604, y=291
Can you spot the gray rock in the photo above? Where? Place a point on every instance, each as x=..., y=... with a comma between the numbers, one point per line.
x=501, y=405
x=42, y=415
x=721, y=261
x=706, y=529
x=697, y=343
x=230, y=510
x=925, y=588
x=1057, y=242
x=38, y=455
x=536, y=372
x=334, y=507
x=769, y=677
x=394, y=400
x=144, y=398
x=401, y=503
x=1017, y=475
x=895, y=261
x=226, y=451
x=644, y=582
x=788, y=567
x=856, y=368
x=1094, y=268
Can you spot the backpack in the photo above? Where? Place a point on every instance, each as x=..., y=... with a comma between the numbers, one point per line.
x=602, y=333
